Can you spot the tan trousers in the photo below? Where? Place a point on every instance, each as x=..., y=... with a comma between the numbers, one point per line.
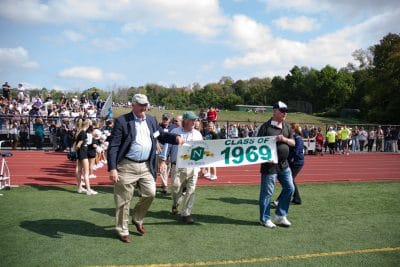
x=184, y=178
x=132, y=174
x=164, y=174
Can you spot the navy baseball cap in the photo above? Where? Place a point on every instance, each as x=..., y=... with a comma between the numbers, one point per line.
x=281, y=106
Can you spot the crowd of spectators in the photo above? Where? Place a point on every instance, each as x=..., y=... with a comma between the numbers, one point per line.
x=224, y=131
x=26, y=119
x=344, y=139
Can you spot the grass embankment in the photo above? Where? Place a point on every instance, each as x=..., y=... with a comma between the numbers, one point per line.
x=251, y=117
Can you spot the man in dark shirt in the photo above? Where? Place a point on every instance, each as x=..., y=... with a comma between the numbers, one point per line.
x=394, y=136
x=167, y=127
x=277, y=126
x=6, y=90
x=95, y=97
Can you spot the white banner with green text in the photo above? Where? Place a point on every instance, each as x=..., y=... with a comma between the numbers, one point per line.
x=227, y=152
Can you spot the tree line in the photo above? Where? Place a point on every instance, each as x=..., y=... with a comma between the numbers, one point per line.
x=371, y=87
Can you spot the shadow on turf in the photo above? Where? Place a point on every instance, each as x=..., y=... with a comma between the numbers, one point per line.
x=55, y=228
x=175, y=219
x=236, y=201
x=50, y=188
x=100, y=189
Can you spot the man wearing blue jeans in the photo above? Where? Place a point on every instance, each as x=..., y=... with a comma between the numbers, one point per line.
x=276, y=126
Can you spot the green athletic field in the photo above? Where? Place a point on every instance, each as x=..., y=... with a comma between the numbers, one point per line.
x=339, y=224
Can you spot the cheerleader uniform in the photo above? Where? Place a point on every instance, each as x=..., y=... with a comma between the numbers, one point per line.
x=82, y=151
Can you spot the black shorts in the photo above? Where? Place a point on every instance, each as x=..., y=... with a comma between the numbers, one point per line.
x=82, y=153
x=91, y=153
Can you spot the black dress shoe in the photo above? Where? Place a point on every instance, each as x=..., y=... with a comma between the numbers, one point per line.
x=174, y=210
x=125, y=238
x=139, y=227
x=187, y=219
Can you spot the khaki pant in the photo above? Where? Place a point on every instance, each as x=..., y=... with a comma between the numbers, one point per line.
x=132, y=174
x=164, y=174
x=183, y=178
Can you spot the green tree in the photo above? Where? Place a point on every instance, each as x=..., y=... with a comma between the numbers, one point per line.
x=230, y=101
x=333, y=89
x=177, y=99
x=258, y=91
x=278, y=87
x=384, y=95
x=294, y=84
x=207, y=97
x=239, y=88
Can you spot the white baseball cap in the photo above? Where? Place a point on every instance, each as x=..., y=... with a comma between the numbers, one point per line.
x=140, y=99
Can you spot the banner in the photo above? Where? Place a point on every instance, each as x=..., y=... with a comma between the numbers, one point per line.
x=106, y=110
x=227, y=152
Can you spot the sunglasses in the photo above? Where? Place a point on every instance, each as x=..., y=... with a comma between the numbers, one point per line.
x=282, y=110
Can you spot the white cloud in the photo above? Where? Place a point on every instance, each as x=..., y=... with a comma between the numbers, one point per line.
x=341, y=8
x=248, y=34
x=134, y=27
x=296, y=24
x=90, y=74
x=73, y=36
x=272, y=53
x=299, y=5
x=356, y=8
x=32, y=10
x=201, y=18
x=16, y=57
x=81, y=72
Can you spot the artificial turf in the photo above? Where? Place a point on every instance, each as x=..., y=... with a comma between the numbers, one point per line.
x=55, y=226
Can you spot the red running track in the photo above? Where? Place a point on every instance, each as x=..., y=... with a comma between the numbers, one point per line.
x=53, y=168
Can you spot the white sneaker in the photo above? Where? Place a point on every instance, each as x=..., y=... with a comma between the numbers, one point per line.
x=91, y=192
x=268, y=224
x=213, y=177
x=281, y=220
x=207, y=175
x=81, y=190
x=92, y=176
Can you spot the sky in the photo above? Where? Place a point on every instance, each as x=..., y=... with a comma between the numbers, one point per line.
x=79, y=44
